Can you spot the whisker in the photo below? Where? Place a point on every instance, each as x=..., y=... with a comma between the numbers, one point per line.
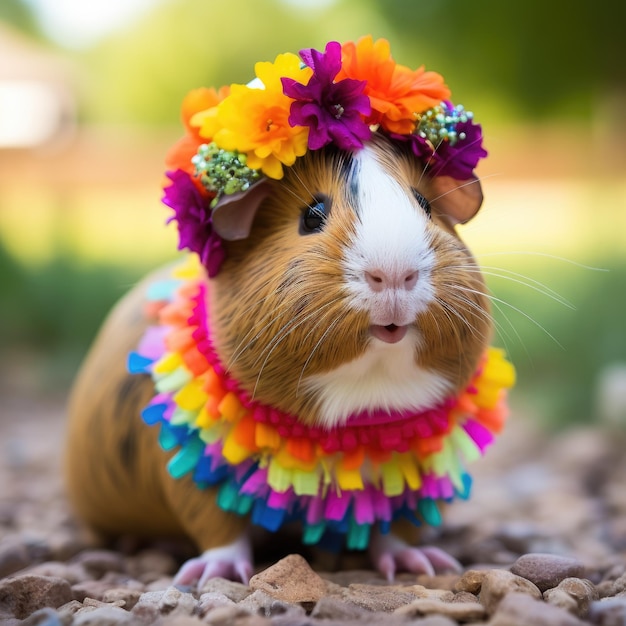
x=554, y=257
x=282, y=334
x=314, y=350
x=515, y=277
x=517, y=310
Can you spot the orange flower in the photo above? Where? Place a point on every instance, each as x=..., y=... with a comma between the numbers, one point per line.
x=397, y=93
x=200, y=100
x=180, y=154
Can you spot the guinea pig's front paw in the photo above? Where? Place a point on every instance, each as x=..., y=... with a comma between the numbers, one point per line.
x=390, y=554
x=233, y=561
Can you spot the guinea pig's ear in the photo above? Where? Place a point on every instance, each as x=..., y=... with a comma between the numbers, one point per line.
x=234, y=213
x=458, y=199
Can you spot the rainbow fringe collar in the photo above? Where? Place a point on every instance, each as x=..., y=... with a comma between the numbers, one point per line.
x=369, y=472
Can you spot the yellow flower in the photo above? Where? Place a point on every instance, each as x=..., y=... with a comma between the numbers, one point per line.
x=255, y=120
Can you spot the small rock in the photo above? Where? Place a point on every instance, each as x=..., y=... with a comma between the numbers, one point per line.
x=419, y=591
x=291, y=579
x=435, y=620
x=338, y=609
x=99, y=562
x=574, y=595
x=46, y=617
x=547, y=570
x=128, y=597
x=212, y=600
x=499, y=583
x=231, y=589
x=70, y=608
x=23, y=595
x=608, y=612
x=464, y=596
x=103, y=616
x=521, y=609
x=182, y=620
x=90, y=589
x=379, y=598
x=73, y=573
x=457, y=611
x=229, y=615
x=261, y=603
x=618, y=585
x=175, y=602
x=471, y=581
x=14, y=556
x=147, y=607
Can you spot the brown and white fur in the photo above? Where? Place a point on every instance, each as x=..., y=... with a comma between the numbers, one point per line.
x=382, y=306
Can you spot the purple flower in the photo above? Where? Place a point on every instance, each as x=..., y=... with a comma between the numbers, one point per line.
x=458, y=160
x=193, y=217
x=333, y=111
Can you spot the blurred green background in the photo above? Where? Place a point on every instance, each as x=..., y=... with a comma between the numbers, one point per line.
x=81, y=221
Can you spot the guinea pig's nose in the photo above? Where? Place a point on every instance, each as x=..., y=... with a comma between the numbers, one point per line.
x=379, y=280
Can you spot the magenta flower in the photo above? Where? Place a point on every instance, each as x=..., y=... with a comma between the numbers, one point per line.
x=458, y=160
x=333, y=111
x=193, y=216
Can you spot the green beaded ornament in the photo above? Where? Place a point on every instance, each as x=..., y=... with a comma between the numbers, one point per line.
x=439, y=124
x=223, y=172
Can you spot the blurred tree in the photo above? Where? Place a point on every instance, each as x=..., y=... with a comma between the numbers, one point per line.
x=19, y=15
x=550, y=59
x=141, y=75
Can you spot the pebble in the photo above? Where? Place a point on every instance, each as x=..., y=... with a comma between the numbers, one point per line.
x=124, y=597
x=23, y=595
x=574, y=595
x=339, y=609
x=212, y=600
x=497, y=584
x=103, y=616
x=522, y=609
x=608, y=612
x=261, y=603
x=98, y=562
x=378, y=598
x=458, y=611
x=46, y=617
x=91, y=589
x=547, y=570
x=14, y=556
x=291, y=579
x=233, y=590
x=471, y=581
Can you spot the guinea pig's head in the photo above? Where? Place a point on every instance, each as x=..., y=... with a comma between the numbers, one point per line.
x=347, y=288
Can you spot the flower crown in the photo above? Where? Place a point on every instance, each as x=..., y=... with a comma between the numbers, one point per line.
x=240, y=135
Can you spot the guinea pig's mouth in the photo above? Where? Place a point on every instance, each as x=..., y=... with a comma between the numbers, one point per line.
x=390, y=333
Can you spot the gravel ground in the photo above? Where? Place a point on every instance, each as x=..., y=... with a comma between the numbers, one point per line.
x=543, y=541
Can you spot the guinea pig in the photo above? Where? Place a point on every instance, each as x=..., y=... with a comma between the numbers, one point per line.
x=332, y=368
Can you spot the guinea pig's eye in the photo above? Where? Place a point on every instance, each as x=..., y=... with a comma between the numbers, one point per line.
x=422, y=201
x=314, y=216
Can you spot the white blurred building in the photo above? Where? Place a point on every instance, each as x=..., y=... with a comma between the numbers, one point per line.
x=37, y=106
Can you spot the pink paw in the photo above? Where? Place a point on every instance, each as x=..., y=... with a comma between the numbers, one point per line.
x=233, y=561
x=390, y=555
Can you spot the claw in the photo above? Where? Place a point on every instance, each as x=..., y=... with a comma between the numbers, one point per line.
x=233, y=561
x=390, y=554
